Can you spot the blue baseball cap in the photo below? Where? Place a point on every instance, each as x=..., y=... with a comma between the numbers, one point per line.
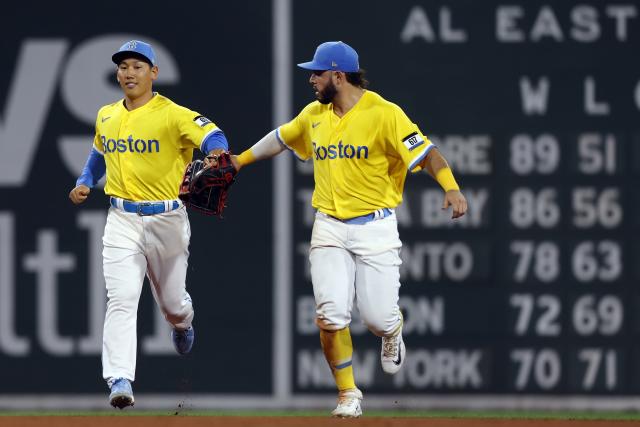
x=336, y=56
x=135, y=49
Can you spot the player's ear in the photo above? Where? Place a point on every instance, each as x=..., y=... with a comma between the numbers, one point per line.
x=154, y=72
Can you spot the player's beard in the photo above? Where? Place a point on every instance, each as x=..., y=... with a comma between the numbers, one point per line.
x=327, y=94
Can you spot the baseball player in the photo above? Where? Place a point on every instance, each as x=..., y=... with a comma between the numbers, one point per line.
x=144, y=142
x=362, y=147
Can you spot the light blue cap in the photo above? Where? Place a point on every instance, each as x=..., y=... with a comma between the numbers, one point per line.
x=336, y=56
x=135, y=48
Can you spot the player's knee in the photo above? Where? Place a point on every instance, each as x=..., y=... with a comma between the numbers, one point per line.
x=122, y=296
x=330, y=325
x=382, y=326
x=331, y=317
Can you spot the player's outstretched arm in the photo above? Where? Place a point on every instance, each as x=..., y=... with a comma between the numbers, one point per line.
x=266, y=148
x=79, y=194
x=436, y=165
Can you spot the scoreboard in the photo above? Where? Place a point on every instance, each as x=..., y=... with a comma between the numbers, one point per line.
x=537, y=109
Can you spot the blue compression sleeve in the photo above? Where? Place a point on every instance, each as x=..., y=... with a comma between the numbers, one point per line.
x=213, y=141
x=93, y=170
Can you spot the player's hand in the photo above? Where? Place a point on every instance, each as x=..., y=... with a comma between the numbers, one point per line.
x=79, y=194
x=456, y=200
x=211, y=160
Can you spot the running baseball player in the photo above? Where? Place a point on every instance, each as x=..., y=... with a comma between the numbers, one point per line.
x=144, y=143
x=362, y=147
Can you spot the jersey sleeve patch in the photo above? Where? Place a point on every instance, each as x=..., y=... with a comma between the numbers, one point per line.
x=201, y=121
x=412, y=141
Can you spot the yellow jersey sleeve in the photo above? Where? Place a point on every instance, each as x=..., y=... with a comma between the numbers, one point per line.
x=193, y=127
x=97, y=141
x=295, y=135
x=408, y=141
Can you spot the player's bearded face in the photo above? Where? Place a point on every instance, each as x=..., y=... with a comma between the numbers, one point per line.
x=326, y=94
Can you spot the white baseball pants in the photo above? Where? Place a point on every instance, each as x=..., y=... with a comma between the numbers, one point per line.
x=361, y=262
x=155, y=245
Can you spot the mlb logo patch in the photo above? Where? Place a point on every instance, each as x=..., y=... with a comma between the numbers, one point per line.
x=201, y=121
x=413, y=140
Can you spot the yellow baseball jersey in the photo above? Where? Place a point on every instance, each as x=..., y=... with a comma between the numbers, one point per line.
x=147, y=149
x=360, y=161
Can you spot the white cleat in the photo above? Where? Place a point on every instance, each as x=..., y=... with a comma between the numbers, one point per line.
x=393, y=353
x=349, y=404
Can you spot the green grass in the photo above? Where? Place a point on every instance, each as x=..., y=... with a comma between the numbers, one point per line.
x=629, y=416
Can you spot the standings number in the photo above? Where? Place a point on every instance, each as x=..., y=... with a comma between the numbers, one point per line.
x=542, y=260
x=538, y=368
x=534, y=208
x=597, y=261
x=597, y=315
x=596, y=207
x=591, y=261
x=590, y=314
x=539, y=314
x=529, y=155
x=597, y=154
x=590, y=368
x=600, y=365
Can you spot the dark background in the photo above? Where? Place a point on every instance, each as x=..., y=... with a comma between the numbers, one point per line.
x=223, y=52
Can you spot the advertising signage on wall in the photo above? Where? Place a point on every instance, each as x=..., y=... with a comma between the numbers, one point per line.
x=52, y=292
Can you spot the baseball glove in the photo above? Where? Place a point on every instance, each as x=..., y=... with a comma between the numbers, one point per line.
x=205, y=187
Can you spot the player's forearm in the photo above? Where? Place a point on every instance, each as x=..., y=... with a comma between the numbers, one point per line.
x=93, y=170
x=266, y=148
x=436, y=165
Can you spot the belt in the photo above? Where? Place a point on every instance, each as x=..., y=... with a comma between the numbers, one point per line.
x=363, y=219
x=144, y=208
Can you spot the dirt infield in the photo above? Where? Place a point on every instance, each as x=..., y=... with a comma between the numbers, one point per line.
x=196, y=421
